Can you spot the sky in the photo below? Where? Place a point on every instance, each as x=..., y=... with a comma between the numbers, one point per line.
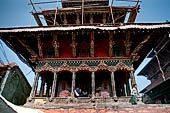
x=16, y=13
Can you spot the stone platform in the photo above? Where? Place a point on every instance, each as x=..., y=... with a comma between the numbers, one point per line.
x=148, y=109
x=84, y=105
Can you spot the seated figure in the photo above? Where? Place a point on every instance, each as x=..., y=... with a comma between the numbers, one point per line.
x=64, y=93
x=77, y=92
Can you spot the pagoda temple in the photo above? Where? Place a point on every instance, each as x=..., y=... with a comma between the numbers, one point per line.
x=86, y=44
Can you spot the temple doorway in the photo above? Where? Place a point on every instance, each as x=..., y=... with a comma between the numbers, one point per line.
x=122, y=83
x=45, y=84
x=83, y=81
x=103, y=84
x=64, y=84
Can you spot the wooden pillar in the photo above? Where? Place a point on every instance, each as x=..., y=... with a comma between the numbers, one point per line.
x=128, y=43
x=133, y=81
x=93, y=82
x=82, y=12
x=65, y=19
x=73, y=82
x=123, y=90
x=92, y=44
x=73, y=45
x=48, y=90
x=127, y=87
x=40, y=46
x=42, y=86
x=34, y=87
x=56, y=45
x=111, y=43
x=132, y=78
x=78, y=19
x=54, y=85
x=113, y=84
x=91, y=18
x=104, y=18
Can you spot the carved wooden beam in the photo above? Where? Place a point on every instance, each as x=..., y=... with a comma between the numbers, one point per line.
x=27, y=47
x=104, y=18
x=111, y=43
x=40, y=46
x=56, y=45
x=73, y=45
x=91, y=18
x=65, y=19
x=82, y=12
x=92, y=44
x=78, y=19
x=127, y=43
x=140, y=46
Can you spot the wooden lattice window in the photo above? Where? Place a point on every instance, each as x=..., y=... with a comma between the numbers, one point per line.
x=49, y=52
x=84, y=49
x=117, y=51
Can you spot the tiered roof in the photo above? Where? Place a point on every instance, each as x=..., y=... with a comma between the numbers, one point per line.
x=78, y=3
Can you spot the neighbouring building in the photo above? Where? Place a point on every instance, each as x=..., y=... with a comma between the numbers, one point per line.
x=13, y=84
x=86, y=44
x=158, y=72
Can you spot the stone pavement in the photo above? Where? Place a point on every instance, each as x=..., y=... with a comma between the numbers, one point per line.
x=145, y=108
x=124, y=110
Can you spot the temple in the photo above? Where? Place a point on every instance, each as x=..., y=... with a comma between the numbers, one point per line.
x=158, y=72
x=86, y=44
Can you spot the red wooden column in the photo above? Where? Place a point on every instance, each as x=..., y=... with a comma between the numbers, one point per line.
x=92, y=44
x=113, y=84
x=54, y=86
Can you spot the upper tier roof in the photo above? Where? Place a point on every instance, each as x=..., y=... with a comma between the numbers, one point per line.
x=75, y=3
x=85, y=12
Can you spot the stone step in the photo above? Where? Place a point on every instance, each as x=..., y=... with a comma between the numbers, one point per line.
x=134, y=109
